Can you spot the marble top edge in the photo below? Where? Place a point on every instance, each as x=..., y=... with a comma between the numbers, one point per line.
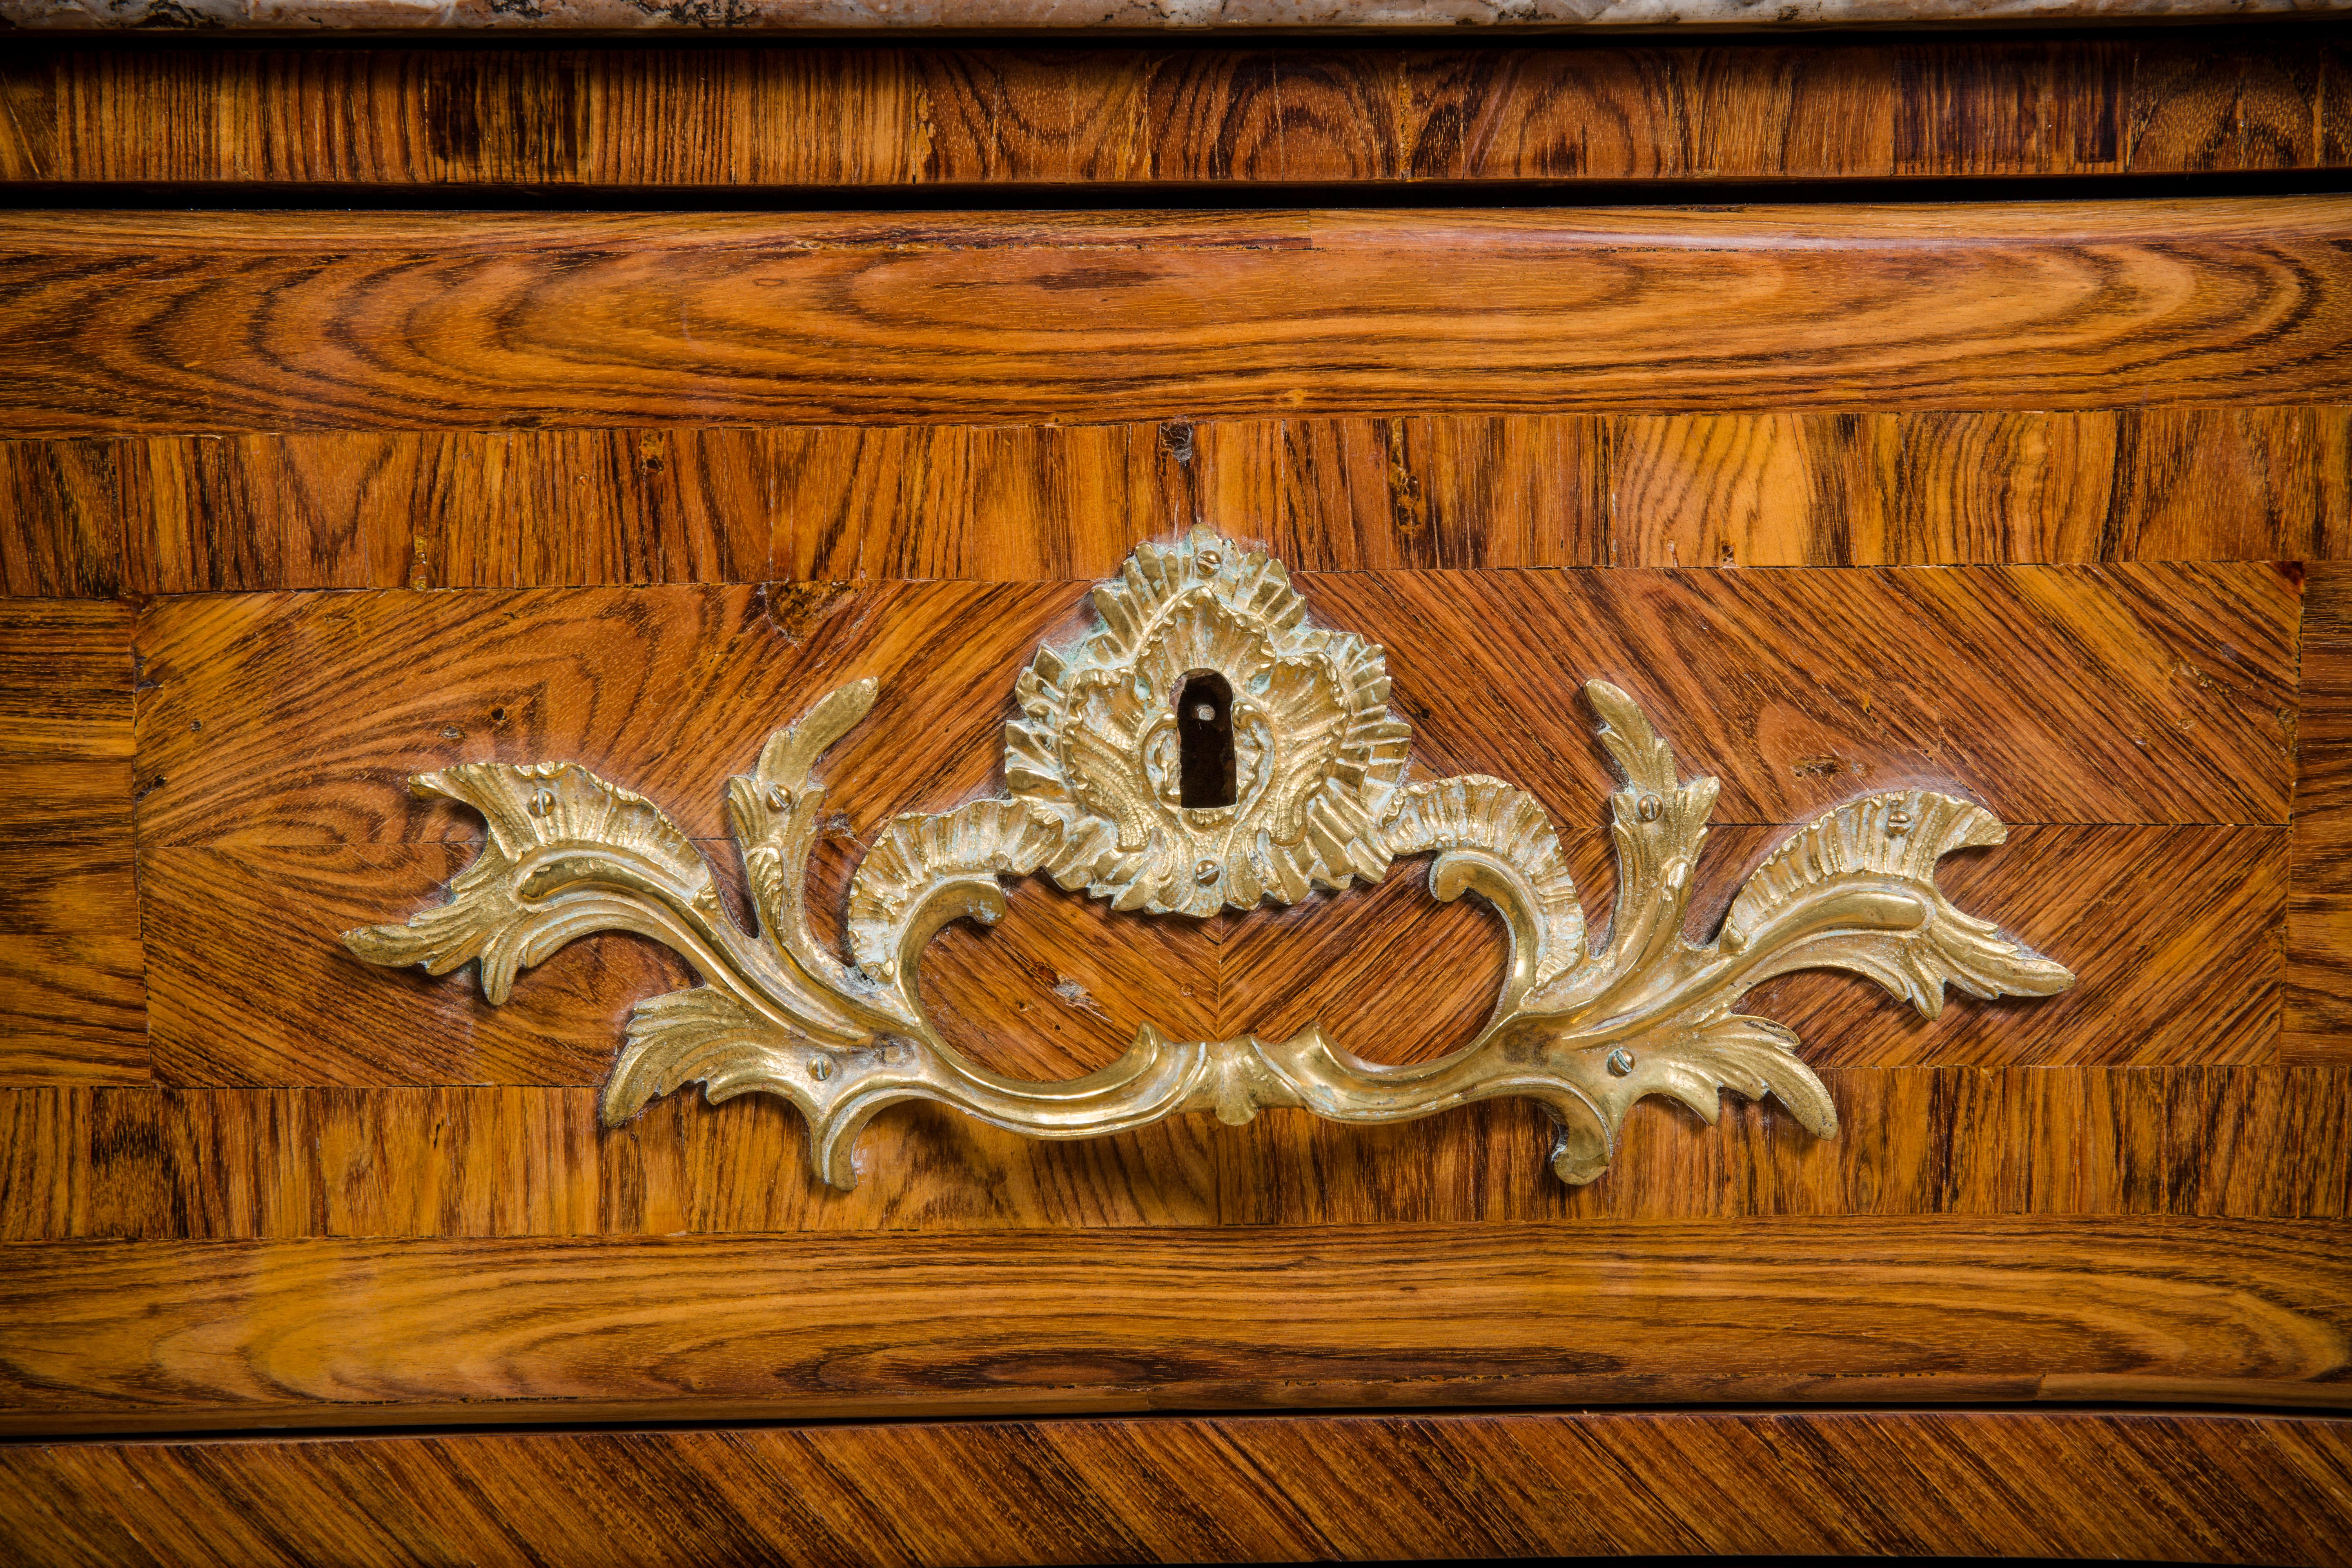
x=1088, y=15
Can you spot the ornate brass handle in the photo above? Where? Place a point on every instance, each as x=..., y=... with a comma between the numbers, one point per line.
x=1318, y=797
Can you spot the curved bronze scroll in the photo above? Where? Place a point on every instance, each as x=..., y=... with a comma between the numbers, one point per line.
x=1585, y=1025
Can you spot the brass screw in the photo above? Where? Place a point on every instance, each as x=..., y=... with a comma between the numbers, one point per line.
x=542, y=801
x=779, y=797
x=1210, y=560
x=820, y=1069
x=1651, y=808
x=1898, y=822
x=1621, y=1062
x=1206, y=871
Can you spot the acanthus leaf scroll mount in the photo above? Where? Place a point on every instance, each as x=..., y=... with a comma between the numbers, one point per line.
x=1586, y=1024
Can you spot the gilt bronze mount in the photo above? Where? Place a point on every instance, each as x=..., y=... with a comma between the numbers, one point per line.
x=1316, y=795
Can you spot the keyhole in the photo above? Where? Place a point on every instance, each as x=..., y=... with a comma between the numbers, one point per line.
x=1204, y=740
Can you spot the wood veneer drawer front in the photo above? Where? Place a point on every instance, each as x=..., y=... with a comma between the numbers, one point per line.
x=2064, y=489
x=324, y=1118
x=265, y=788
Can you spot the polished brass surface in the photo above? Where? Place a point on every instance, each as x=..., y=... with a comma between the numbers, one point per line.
x=1585, y=1025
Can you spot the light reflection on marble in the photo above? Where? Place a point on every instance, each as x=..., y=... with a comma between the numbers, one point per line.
x=1131, y=15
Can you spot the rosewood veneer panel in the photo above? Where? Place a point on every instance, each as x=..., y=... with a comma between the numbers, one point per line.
x=276, y=737
x=61, y=520
x=2094, y=694
x=2319, y=921
x=510, y=509
x=1931, y=487
x=2177, y=965
x=2213, y=1488
x=2131, y=694
x=164, y=323
x=312, y=721
x=1954, y=1141
x=73, y=1003
x=251, y=983
x=231, y=1164
x=465, y=510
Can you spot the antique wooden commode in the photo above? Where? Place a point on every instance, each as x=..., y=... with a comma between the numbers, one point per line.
x=795, y=782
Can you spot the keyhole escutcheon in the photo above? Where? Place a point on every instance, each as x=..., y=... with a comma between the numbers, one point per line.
x=1204, y=740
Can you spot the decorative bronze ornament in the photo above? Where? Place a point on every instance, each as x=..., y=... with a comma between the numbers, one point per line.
x=1318, y=798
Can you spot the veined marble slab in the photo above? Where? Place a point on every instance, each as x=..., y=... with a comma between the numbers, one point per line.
x=1131, y=16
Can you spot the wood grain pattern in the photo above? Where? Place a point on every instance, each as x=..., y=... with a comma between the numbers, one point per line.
x=249, y=984
x=249, y=981
x=1947, y=1141
x=1054, y=988
x=79, y=1162
x=2182, y=967
x=284, y=1164
x=462, y=510
x=1782, y=490
x=98, y=1336
x=2208, y=1487
x=1021, y=503
x=681, y=472
x=61, y=520
x=1197, y=1490
x=73, y=1004
x=827, y=114
x=670, y=690
x=2318, y=1022
x=275, y=742
x=2097, y=694
x=281, y=1165
x=2123, y=694
x=510, y=508
x=165, y=323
